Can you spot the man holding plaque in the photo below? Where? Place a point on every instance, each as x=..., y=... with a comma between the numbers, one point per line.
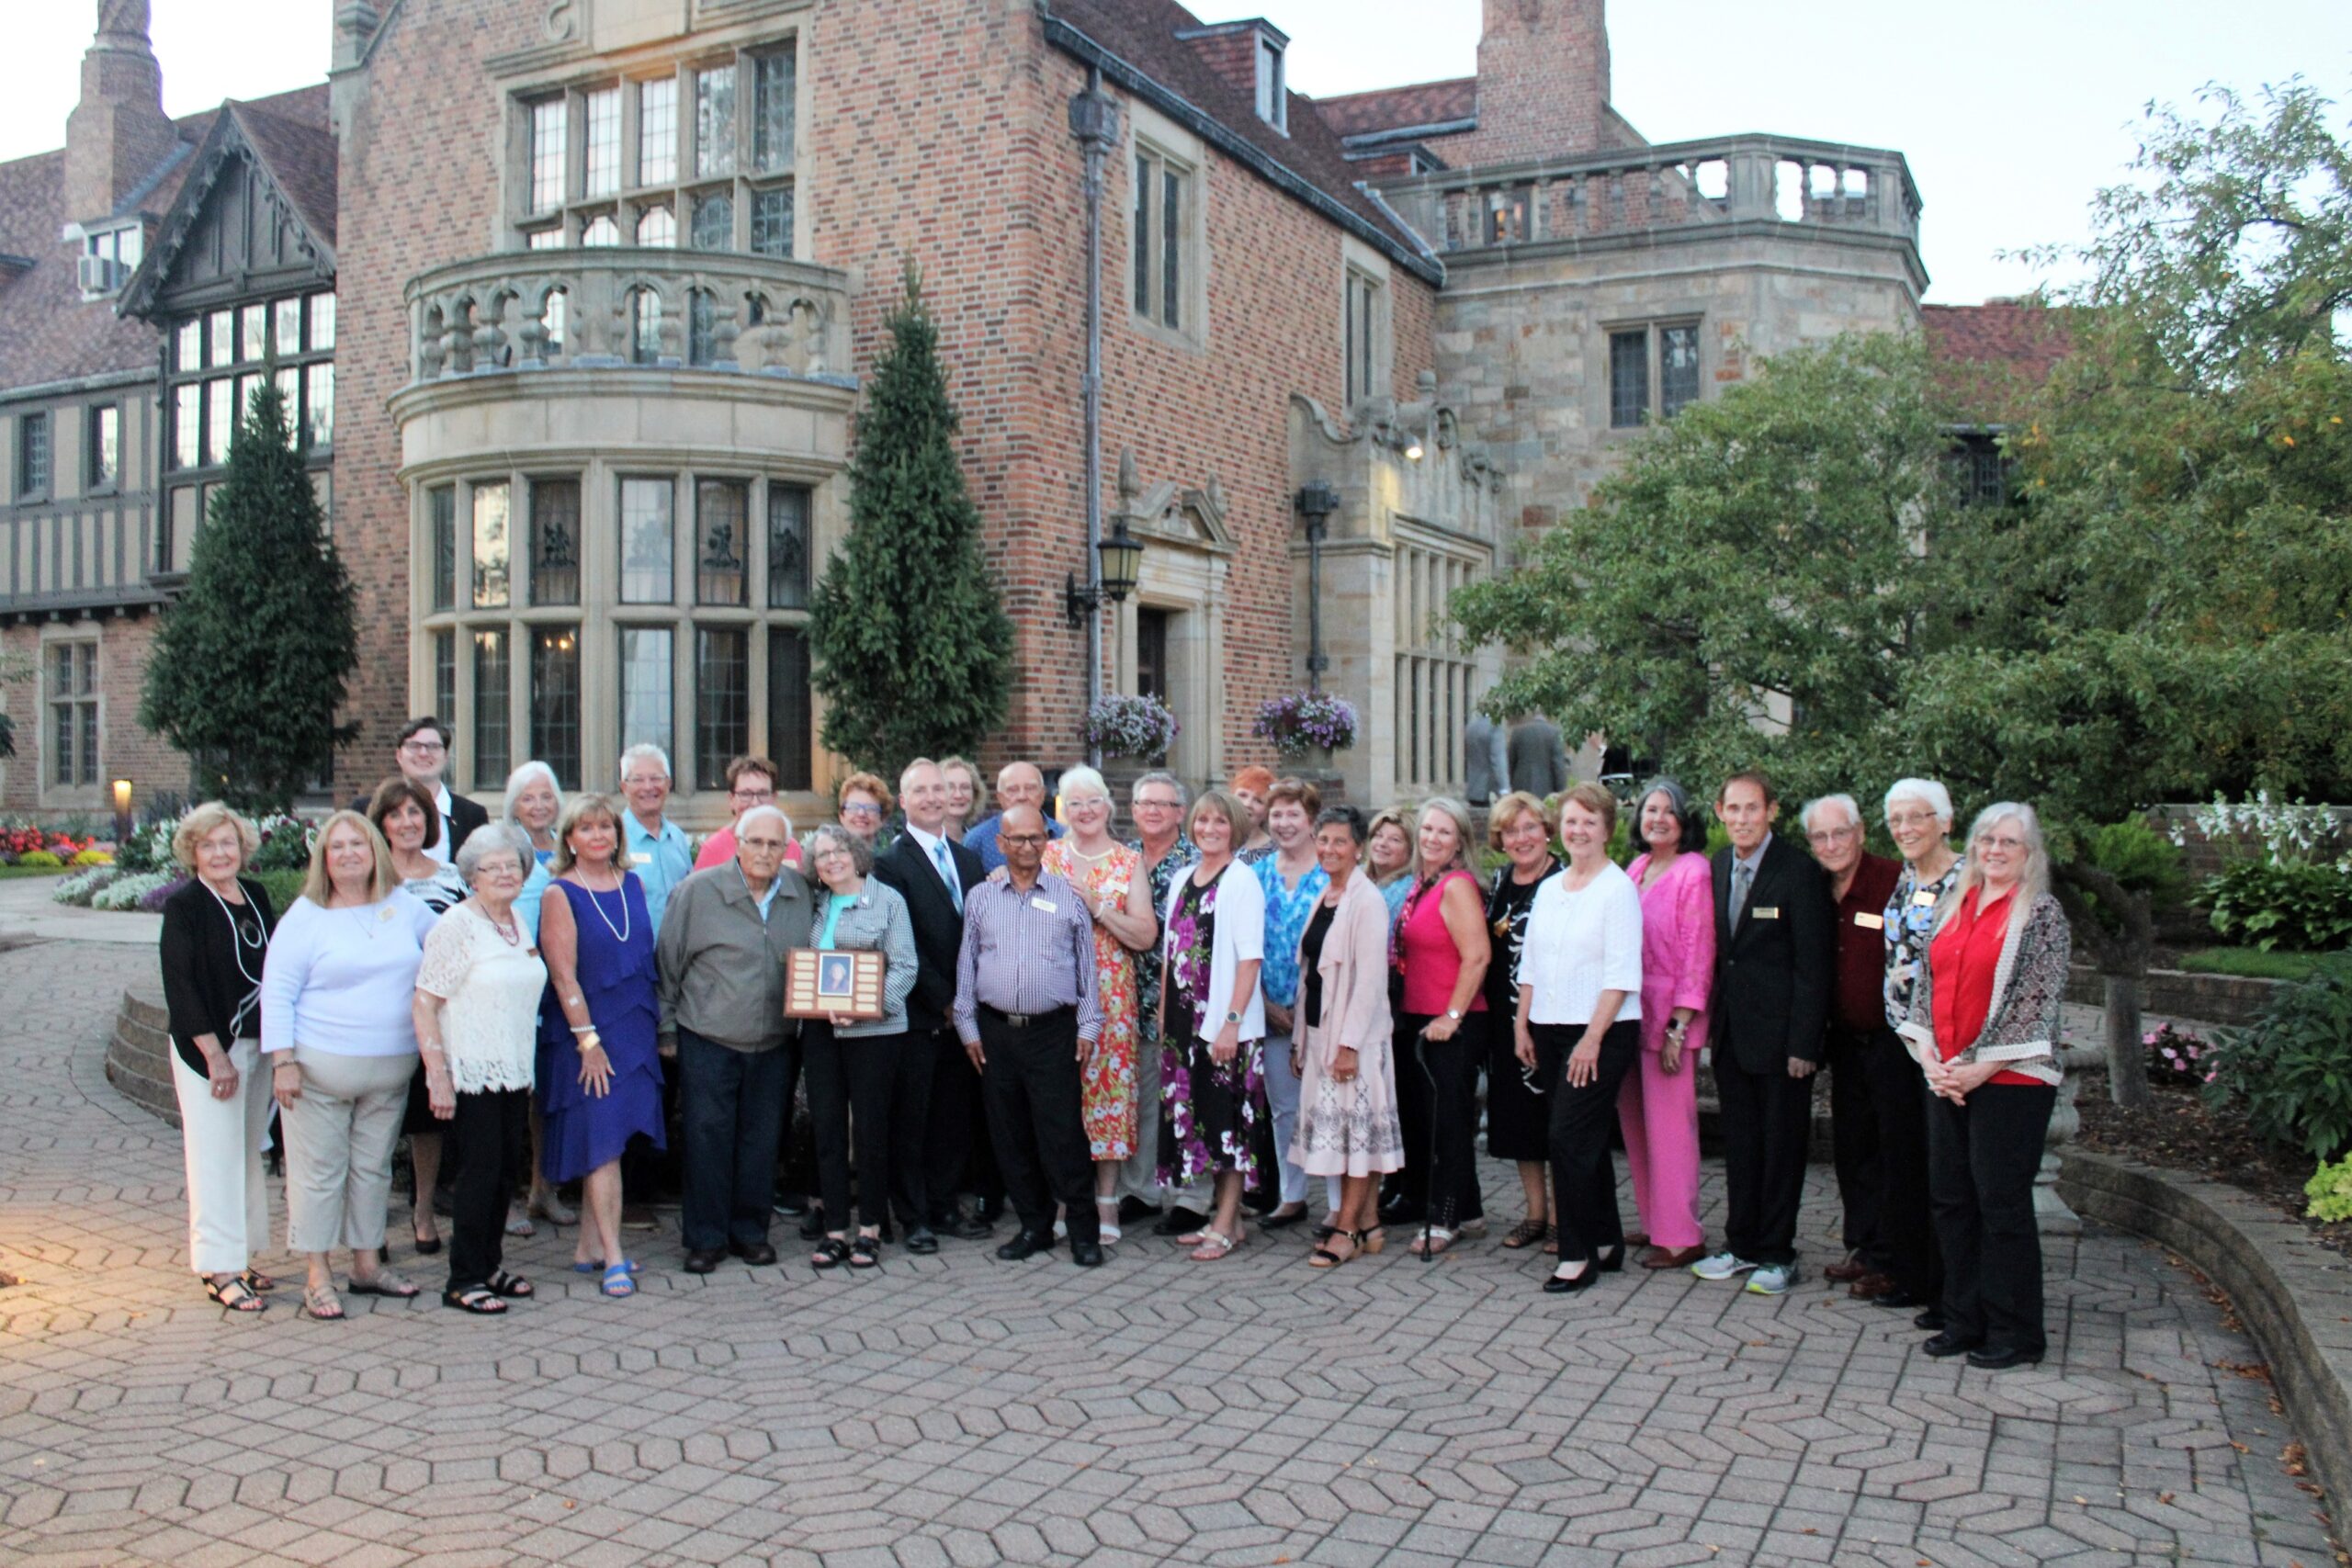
x=1027, y=1013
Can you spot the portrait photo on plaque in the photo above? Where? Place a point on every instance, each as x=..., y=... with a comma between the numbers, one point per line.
x=825, y=983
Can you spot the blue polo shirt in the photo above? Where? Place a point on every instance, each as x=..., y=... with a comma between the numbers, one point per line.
x=660, y=859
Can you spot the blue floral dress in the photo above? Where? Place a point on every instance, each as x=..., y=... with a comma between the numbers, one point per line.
x=1208, y=1112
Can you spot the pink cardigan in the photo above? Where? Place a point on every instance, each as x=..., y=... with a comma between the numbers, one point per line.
x=1354, y=969
x=1678, y=947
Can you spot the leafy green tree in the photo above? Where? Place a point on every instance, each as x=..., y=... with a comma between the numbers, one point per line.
x=912, y=649
x=1780, y=578
x=14, y=667
x=251, y=663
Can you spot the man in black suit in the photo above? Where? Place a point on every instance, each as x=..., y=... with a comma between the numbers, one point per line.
x=1771, y=1012
x=933, y=872
x=1537, y=756
x=421, y=754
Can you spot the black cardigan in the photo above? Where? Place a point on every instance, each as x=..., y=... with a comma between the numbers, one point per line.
x=201, y=984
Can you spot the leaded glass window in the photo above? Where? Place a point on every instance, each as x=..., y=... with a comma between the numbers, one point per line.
x=554, y=543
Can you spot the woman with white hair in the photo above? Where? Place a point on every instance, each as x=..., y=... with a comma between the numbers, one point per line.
x=1919, y=818
x=1985, y=1024
x=1109, y=876
x=534, y=802
x=476, y=1011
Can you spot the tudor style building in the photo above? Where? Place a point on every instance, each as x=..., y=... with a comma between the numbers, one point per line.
x=614, y=268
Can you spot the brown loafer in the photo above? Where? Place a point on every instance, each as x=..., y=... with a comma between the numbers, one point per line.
x=1872, y=1284
x=1853, y=1268
x=1673, y=1257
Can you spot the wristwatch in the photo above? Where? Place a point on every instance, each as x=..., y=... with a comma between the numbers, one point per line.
x=1453, y=1013
x=1233, y=1018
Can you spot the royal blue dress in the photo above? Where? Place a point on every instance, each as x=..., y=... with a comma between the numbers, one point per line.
x=617, y=980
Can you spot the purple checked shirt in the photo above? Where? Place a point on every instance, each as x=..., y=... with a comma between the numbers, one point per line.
x=1025, y=953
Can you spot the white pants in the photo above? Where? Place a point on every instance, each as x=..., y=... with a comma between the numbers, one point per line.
x=228, y=1202
x=1282, y=1100
x=339, y=1138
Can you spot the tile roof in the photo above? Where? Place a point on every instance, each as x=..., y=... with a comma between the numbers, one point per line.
x=47, y=333
x=1398, y=108
x=1143, y=36
x=301, y=156
x=1988, y=358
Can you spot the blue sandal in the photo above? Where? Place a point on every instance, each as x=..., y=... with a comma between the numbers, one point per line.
x=628, y=1263
x=617, y=1281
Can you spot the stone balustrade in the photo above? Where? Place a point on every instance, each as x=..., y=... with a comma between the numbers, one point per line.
x=1648, y=194
x=522, y=311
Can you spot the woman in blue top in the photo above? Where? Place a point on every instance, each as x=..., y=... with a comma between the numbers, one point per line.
x=600, y=1075
x=863, y=1068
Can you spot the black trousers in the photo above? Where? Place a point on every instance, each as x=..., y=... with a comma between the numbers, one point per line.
x=1906, y=1227
x=957, y=1153
x=1584, y=1178
x=490, y=1131
x=1439, y=1117
x=730, y=1114
x=1858, y=1147
x=1031, y=1085
x=1767, y=1118
x=1982, y=1158
x=876, y=1081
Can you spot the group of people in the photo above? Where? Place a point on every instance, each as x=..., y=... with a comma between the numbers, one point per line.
x=1254, y=991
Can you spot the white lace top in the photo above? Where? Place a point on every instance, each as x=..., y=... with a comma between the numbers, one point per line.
x=490, y=989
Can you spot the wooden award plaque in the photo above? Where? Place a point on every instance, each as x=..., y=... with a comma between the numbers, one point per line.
x=821, y=981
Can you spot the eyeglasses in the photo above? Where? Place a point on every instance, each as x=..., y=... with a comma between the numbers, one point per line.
x=1832, y=835
x=752, y=795
x=1910, y=818
x=423, y=748
x=1025, y=838
x=2002, y=843
x=863, y=811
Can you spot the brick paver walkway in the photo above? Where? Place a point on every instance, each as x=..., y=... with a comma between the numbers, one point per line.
x=960, y=1411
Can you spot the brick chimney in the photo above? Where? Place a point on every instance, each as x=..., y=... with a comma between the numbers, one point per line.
x=1542, y=81
x=119, y=132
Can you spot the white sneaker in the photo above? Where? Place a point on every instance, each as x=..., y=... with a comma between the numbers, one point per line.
x=1720, y=1266
x=1773, y=1279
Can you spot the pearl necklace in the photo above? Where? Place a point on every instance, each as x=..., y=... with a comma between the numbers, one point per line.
x=597, y=902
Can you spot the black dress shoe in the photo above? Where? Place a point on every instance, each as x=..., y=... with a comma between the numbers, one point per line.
x=1948, y=1344
x=1278, y=1220
x=1028, y=1244
x=1397, y=1211
x=812, y=1221
x=1180, y=1222
x=758, y=1254
x=1932, y=1319
x=1086, y=1254
x=1614, y=1260
x=1993, y=1360
x=702, y=1261
x=795, y=1205
x=970, y=1228
x=921, y=1240
x=1132, y=1208
x=1556, y=1286
x=1898, y=1298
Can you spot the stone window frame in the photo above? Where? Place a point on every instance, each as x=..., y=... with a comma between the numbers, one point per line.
x=1273, y=84
x=1436, y=670
x=1166, y=147
x=1361, y=267
x=85, y=707
x=1654, y=328
x=597, y=615
x=529, y=225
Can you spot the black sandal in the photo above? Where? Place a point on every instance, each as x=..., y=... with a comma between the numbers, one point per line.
x=832, y=1253
x=512, y=1286
x=235, y=1295
x=865, y=1252
x=479, y=1300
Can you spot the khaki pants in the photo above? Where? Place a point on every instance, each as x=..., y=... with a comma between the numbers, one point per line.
x=339, y=1138
x=228, y=1202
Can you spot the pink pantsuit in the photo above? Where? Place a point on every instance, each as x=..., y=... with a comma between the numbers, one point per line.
x=1658, y=1111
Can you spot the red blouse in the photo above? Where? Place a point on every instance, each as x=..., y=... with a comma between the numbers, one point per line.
x=1426, y=953
x=1963, y=959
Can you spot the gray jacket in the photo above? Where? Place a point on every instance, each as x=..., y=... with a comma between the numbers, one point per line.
x=722, y=966
x=878, y=922
x=1539, y=758
x=1486, y=752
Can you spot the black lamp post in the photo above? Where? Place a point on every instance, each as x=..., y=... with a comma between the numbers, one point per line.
x=1316, y=500
x=1118, y=561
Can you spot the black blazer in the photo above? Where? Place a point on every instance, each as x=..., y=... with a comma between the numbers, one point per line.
x=1773, y=974
x=464, y=817
x=203, y=985
x=939, y=925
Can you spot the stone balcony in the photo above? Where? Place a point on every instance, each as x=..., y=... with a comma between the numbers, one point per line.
x=1724, y=186
x=609, y=309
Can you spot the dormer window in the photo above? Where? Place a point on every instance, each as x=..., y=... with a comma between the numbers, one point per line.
x=1273, y=93
x=108, y=258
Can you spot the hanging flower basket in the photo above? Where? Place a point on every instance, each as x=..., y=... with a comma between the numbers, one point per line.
x=1131, y=726
x=1306, y=721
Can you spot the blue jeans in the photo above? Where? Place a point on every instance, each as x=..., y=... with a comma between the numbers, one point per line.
x=730, y=1117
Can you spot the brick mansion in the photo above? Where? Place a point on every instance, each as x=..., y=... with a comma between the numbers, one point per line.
x=571, y=300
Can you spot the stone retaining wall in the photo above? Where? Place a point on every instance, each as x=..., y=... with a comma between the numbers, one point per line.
x=139, y=1060
x=2293, y=1293
x=2228, y=999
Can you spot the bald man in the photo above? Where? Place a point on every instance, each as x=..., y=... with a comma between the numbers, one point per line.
x=1017, y=783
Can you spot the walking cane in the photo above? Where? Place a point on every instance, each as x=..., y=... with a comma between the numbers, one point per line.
x=1429, y=1208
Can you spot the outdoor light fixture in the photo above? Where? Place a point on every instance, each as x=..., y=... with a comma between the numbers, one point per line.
x=122, y=810
x=1318, y=499
x=1413, y=452
x=1118, y=563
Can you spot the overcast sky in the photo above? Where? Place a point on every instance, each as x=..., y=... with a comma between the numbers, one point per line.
x=2012, y=112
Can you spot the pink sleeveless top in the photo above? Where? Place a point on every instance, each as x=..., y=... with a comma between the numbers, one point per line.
x=1432, y=963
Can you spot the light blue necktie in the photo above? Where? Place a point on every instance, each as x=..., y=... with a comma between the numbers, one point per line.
x=948, y=872
x=1742, y=875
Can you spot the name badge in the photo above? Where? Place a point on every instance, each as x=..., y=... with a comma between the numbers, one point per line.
x=1923, y=899
x=1766, y=912
x=385, y=913
x=1871, y=922
x=641, y=857
x=1047, y=905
